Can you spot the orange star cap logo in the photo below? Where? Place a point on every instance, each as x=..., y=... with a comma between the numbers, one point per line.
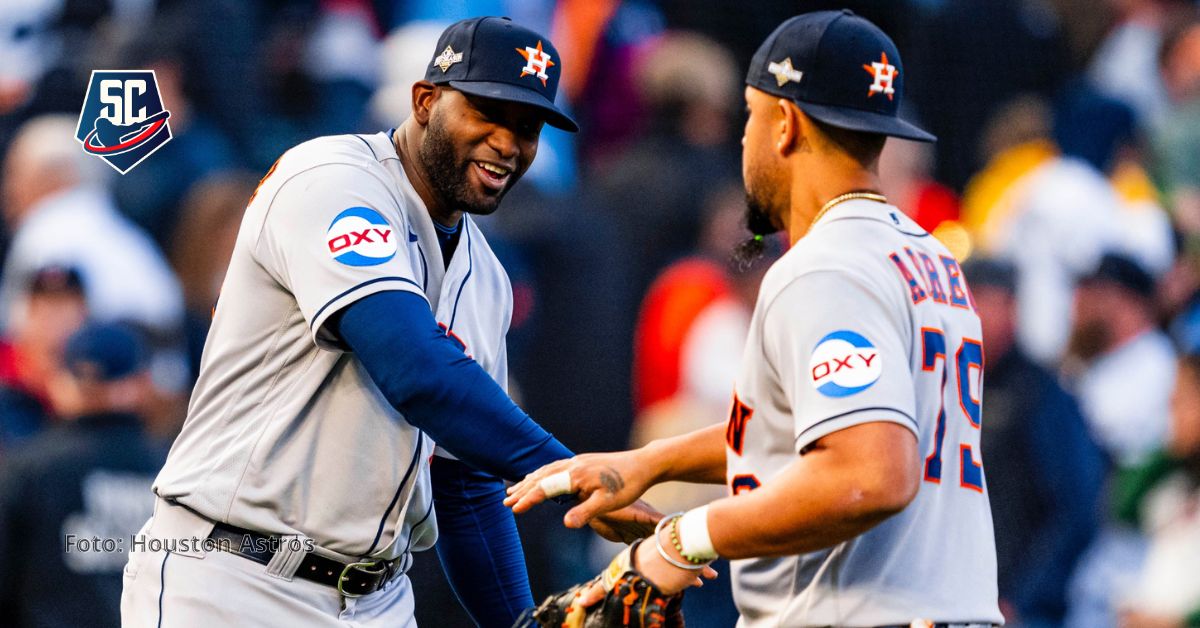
x=884, y=74
x=537, y=62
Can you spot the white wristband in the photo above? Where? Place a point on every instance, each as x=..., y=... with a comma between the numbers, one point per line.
x=557, y=484
x=693, y=535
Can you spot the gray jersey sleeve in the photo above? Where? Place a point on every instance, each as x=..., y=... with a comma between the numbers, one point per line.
x=334, y=234
x=841, y=353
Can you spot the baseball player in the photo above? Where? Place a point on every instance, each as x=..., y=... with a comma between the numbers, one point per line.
x=351, y=398
x=852, y=448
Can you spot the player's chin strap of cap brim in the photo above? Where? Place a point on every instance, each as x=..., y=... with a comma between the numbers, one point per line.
x=350, y=579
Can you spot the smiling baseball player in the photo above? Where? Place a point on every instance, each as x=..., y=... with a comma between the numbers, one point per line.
x=852, y=447
x=360, y=330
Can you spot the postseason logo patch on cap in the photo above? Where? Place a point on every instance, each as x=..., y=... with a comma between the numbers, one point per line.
x=784, y=72
x=447, y=59
x=844, y=363
x=359, y=236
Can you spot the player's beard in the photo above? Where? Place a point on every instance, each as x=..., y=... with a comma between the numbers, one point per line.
x=449, y=176
x=759, y=223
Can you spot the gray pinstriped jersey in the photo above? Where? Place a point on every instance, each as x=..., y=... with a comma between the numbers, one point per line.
x=285, y=432
x=867, y=318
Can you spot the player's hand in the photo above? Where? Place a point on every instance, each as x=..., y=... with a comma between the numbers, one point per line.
x=603, y=483
x=622, y=595
x=628, y=524
x=662, y=575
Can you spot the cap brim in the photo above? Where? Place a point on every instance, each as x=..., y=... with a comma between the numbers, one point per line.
x=867, y=121
x=555, y=117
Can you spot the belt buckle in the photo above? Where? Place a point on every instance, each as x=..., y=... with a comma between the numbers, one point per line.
x=370, y=567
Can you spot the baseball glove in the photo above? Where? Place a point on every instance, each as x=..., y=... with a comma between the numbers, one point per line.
x=630, y=601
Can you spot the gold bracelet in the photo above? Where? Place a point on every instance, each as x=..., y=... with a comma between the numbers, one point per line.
x=679, y=544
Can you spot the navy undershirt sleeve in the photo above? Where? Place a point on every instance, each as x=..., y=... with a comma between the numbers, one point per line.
x=440, y=390
x=478, y=544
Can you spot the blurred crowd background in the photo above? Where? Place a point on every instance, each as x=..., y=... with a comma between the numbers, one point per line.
x=1067, y=174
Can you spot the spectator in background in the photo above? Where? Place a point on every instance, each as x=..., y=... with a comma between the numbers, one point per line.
x=202, y=244
x=1051, y=215
x=695, y=315
x=1102, y=132
x=150, y=194
x=320, y=69
x=1045, y=202
x=402, y=58
x=656, y=187
x=1124, y=369
x=88, y=477
x=51, y=308
x=27, y=49
x=1126, y=64
x=1176, y=141
x=1162, y=498
x=341, y=55
x=59, y=211
x=1045, y=473
x=1125, y=364
x=606, y=41
x=43, y=45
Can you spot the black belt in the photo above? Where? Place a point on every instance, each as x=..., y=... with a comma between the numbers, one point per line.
x=351, y=580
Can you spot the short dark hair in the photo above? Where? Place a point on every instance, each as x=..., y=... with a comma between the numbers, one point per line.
x=864, y=147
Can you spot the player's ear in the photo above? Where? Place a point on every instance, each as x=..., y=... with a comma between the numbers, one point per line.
x=789, y=136
x=423, y=95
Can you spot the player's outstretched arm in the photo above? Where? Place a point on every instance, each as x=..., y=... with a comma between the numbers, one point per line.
x=847, y=483
x=440, y=390
x=606, y=482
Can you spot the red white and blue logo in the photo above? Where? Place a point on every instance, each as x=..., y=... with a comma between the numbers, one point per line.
x=123, y=119
x=359, y=236
x=844, y=363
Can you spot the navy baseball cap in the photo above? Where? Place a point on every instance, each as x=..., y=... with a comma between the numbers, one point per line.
x=982, y=271
x=1123, y=271
x=839, y=69
x=55, y=279
x=104, y=352
x=493, y=57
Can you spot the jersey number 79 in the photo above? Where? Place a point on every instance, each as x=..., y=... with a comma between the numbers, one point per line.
x=969, y=355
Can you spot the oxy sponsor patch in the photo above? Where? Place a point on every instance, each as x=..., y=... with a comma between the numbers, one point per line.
x=359, y=236
x=844, y=363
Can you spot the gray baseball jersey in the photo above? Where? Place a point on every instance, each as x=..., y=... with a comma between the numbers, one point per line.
x=286, y=433
x=868, y=318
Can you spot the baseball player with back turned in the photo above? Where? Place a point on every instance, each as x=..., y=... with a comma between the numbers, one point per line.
x=852, y=447
x=350, y=406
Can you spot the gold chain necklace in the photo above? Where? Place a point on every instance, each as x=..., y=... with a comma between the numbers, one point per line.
x=849, y=196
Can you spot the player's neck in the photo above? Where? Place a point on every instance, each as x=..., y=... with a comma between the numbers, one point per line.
x=812, y=187
x=406, y=142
